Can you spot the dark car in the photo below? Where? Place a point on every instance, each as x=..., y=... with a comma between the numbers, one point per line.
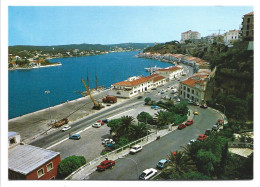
x=139, y=97
x=105, y=120
x=207, y=132
x=181, y=126
x=203, y=106
x=105, y=164
x=189, y=122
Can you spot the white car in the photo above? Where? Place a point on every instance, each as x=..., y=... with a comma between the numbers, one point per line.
x=192, y=141
x=65, y=128
x=136, y=149
x=148, y=173
x=97, y=125
x=178, y=100
x=108, y=141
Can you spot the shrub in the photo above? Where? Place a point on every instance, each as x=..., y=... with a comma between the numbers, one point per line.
x=70, y=164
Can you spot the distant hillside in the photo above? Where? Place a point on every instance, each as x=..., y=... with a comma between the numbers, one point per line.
x=88, y=47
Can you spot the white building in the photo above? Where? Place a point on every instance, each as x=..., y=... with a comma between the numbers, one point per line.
x=231, y=36
x=189, y=35
x=194, y=87
x=135, y=85
x=171, y=73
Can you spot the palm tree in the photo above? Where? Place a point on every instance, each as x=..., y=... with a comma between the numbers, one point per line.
x=181, y=163
x=127, y=121
x=138, y=130
x=163, y=118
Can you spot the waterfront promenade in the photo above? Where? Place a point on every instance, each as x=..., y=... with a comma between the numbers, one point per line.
x=32, y=126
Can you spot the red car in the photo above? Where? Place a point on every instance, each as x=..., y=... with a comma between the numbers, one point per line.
x=202, y=137
x=105, y=164
x=181, y=126
x=189, y=122
x=220, y=122
x=101, y=122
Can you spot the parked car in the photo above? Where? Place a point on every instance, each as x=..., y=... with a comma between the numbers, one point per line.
x=192, y=141
x=162, y=92
x=162, y=163
x=154, y=89
x=105, y=120
x=202, y=137
x=215, y=127
x=139, y=97
x=195, y=112
x=220, y=122
x=109, y=149
x=157, y=107
x=189, y=122
x=203, y=106
x=178, y=100
x=196, y=104
x=65, y=128
x=135, y=149
x=153, y=107
x=75, y=137
x=96, y=125
x=207, y=132
x=105, y=164
x=108, y=141
x=101, y=122
x=181, y=126
x=190, y=102
x=147, y=174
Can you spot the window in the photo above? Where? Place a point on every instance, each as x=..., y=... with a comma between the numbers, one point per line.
x=188, y=95
x=53, y=178
x=49, y=167
x=248, y=20
x=184, y=87
x=12, y=141
x=188, y=89
x=40, y=172
x=247, y=33
x=192, y=91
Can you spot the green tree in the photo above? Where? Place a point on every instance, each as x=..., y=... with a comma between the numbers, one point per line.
x=206, y=161
x=138, y=130
x=70, y=164
x=147, y=100
x=145, y=117
x=127, y=121
x=163, y=118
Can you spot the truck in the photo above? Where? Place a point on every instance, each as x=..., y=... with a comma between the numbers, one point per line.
x=109, y=98
x=61, y=122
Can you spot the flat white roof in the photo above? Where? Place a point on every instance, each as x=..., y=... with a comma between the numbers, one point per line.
x=26, y=158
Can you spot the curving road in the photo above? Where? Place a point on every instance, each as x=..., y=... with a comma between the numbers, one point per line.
x=125, y=169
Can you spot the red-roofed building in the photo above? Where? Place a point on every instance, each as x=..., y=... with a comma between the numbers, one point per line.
x=189, y=35
x=170, y=73
x=194, y=87
x=136, y=85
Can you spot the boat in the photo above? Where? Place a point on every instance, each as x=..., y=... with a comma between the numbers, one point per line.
x=152, y=69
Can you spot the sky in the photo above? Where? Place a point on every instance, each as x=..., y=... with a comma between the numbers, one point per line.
x=59, y=25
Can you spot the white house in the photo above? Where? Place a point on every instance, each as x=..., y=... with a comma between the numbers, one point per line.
x=135, y=85
x=231, y=36
x=170, y=72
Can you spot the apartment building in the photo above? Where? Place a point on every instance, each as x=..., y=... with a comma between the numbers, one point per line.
x=247, y=29
x=189, y=35
x=194, y=87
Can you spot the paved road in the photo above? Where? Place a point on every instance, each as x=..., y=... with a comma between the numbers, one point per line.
x=150, y=155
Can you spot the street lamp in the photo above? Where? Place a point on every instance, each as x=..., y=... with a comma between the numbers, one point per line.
x=47, y=93
x=135, y=164
x=224, y=111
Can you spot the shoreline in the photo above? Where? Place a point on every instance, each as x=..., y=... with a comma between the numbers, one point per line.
x=50, y=65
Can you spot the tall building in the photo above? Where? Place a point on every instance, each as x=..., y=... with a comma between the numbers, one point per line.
x=247, y=30
x=189, y=35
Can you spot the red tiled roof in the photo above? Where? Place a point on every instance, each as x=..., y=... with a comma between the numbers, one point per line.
x=155, y=77
x=191, y=82
x=169, y=69
x=133, y=82
x=249, y=14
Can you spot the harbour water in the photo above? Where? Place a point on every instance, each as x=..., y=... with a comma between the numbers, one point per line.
x=27, y=87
